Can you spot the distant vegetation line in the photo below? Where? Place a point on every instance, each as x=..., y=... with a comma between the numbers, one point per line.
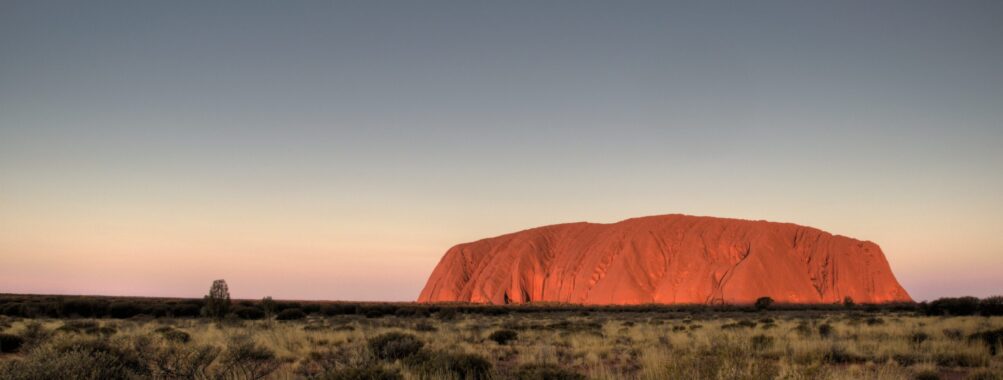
x=66, y=306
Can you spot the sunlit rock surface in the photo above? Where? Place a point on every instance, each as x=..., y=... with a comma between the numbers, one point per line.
x=672, y=259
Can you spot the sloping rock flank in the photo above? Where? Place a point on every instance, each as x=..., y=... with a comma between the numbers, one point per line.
x=669, y=259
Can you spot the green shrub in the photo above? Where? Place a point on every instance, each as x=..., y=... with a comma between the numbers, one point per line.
x=290, y=315
x=503, y=336
x=394, y=346
x=546, y=372
x=10, y=343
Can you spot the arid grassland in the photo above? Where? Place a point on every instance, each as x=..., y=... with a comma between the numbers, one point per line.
x=555, y=345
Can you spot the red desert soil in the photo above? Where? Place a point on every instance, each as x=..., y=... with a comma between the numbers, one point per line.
x=665, y=259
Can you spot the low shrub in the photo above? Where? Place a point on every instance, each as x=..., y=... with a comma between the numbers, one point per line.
x=803, y=329
x=424, y=327
x=290, y=315
x=984, y=374
x=763, y=303
x=743, y=324
x=445, y=365
x=919, y=337
x=51, y=364
x=10, y=343
x=394, y=346
x=503, y=336
x=992, y=339
x=837, y=354
x=959, y=359
x=35, y=334
x=244, y=359
x=248, y=312
x=79, y=326
x=953, y=334
x=125, y=359
x=447, y=314
x=762, y=342
x=174, y=335
x=183, y=361
x=546, y=372
x=825, y=330
x=726, y=358
x=366, y=373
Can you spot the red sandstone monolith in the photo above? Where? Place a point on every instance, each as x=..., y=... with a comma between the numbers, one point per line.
x=670, y=259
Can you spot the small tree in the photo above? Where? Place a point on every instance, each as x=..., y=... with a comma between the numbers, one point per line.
x=217, y=302
x=268, y=306
x=848, y=302
x=764, y=303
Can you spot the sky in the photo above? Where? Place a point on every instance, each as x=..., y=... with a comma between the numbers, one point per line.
x=335, y=150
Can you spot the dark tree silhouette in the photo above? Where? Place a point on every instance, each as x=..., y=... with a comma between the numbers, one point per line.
x=217, y=302
x=764, y=303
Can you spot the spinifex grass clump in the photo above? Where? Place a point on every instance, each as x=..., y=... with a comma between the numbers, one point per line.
x=992, y=339
x=503, y=336
x=394, y=346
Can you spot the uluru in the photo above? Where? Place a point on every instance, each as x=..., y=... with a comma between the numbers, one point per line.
x=666, y=259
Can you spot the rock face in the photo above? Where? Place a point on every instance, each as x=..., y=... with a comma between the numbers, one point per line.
x=671, y=259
